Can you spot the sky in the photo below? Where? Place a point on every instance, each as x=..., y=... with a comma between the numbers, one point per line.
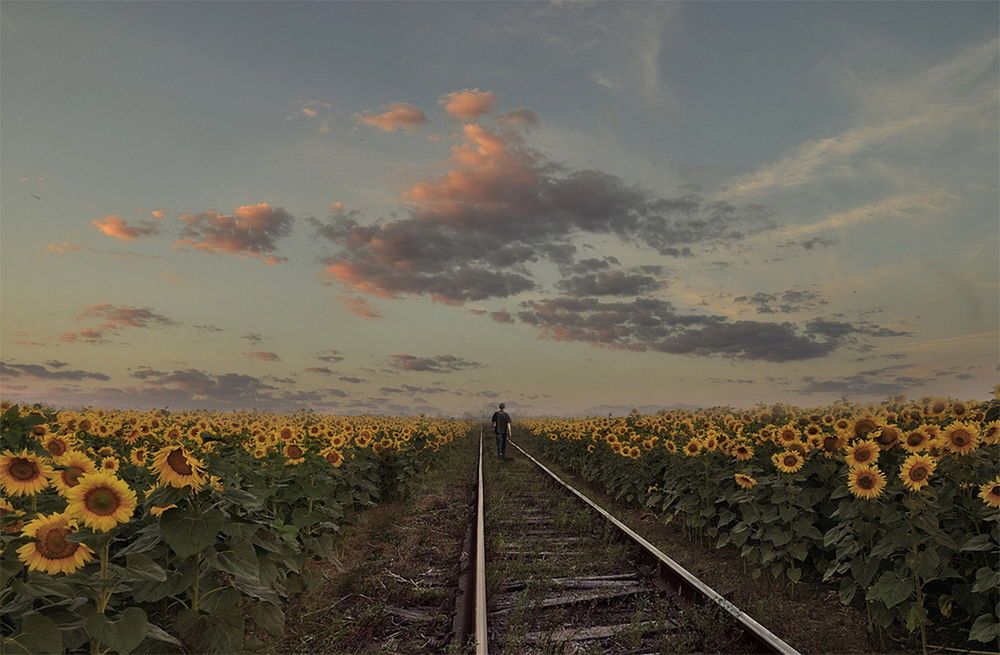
x=575, y=208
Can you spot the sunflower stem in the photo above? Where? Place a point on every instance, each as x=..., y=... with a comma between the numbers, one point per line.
x=196, y=588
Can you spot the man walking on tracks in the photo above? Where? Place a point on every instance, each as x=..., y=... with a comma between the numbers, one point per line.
x=501, y=427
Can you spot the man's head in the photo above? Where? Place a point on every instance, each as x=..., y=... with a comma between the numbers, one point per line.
x=501, y=405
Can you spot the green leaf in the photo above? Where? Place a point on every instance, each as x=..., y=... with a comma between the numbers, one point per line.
x=154, y=631
x=915, y=617
x=985, y=629
x=240, y=560
x=269, y=617
x=794, y=574
x=142, y=567
x=892, y=590
x=123, y=635
x=188, y=534
x=976, y=543
x=39, y=634
x=986, y=579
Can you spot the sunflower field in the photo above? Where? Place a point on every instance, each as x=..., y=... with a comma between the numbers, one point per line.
x=128, y=532
x=897, y=503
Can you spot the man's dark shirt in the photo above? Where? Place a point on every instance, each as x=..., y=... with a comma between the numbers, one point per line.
x=501, y=421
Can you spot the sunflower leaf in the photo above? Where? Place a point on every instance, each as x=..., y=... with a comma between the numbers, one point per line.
x=187, y=534
x=39, y=634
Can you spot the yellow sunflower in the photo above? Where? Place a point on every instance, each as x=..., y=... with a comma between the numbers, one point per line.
x=139, y=456
x=51, y=552
x=294, y=454
x=865, y=482
x=76, y=464
x=335, y=458
x=23, y=474
x=991, y=432
x=158, y=510
x=177, y=467
x=961, y=438
x=743, y=452
x=915, y=440
x=788, y=461
x=744, y=480
x=862, y=453
x=888, y=437
x=693, y=447
x=56, y=445
x=916, y=471
x=864, y=424
x=990, y=492
x=110, y=464
x=101, y=501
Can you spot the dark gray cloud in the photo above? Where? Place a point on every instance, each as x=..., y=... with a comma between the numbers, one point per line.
x=319, y=369
x=473, y=233
x=113, y=319
x=41, y=372
x=53, y=363
x=351, y=380
x=647, y=324
x=438, y=364
x=502, y=317
x=331, y=356
x=868, y=385
x=609, y=283
x=730, y=381
x=786, y=302
x=410, y=389
x=253, y=337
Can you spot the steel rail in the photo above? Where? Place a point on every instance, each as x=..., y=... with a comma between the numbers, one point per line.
x=676, y=573
x=482, y=641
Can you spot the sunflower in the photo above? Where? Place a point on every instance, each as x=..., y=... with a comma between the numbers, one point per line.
x=990, y=492
x=110, y=464
x=158, y=510
x=834, y=442
x=177, y=467
x=23, y=474
x=293, y=454
x=787, y=435
x=51, y=552
x=56, y=445
x=888, y=437
x=865, y=481
x=75, y=464
x=743, y=452
x=788, y=461
x=936, y=407
x=693, y=447
x=961, y=438
x=864, y=424
x=991, y=432
x=916, y=471
x=915, y=441
x=744, y=480
x=139, y=456
x=101, y=501
x=862, y=453
x=670, y=446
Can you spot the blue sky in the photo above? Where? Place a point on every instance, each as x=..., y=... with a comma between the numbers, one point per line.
x=433, y=207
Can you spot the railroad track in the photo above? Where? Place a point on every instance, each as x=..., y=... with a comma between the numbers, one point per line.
x=549, y=571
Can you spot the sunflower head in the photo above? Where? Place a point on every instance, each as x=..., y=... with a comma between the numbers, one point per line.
x=23, y=474
x=693, y=447
x=991, y=433
x=862, y=425
x=101, y=501
x=916, y=471
x=177, y=467
x=788, y=461
x=990, y=492
x=865, y=482
x=73, y=464
x=50, y=550
x=961, y=438
x=744, y=480
x=862, y=453
x=743, y=452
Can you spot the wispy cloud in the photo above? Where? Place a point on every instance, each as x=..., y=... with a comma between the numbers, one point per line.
x=394, y=116
x=114, y=226
x=436, y=364
x=261, y=355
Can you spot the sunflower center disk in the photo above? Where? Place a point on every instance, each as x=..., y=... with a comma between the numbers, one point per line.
x=866, y=482
x=102, y=501
x=71, y=476
x=23, y=470
x=178, y=462
x=54, y=545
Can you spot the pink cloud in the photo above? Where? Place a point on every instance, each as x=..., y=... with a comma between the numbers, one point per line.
x=62, y=248
x=359, y=307
x=114, y=226
x=158, y=213
x=468, y=104
x=251, y=231
x=396, y=115
x=262, y=355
